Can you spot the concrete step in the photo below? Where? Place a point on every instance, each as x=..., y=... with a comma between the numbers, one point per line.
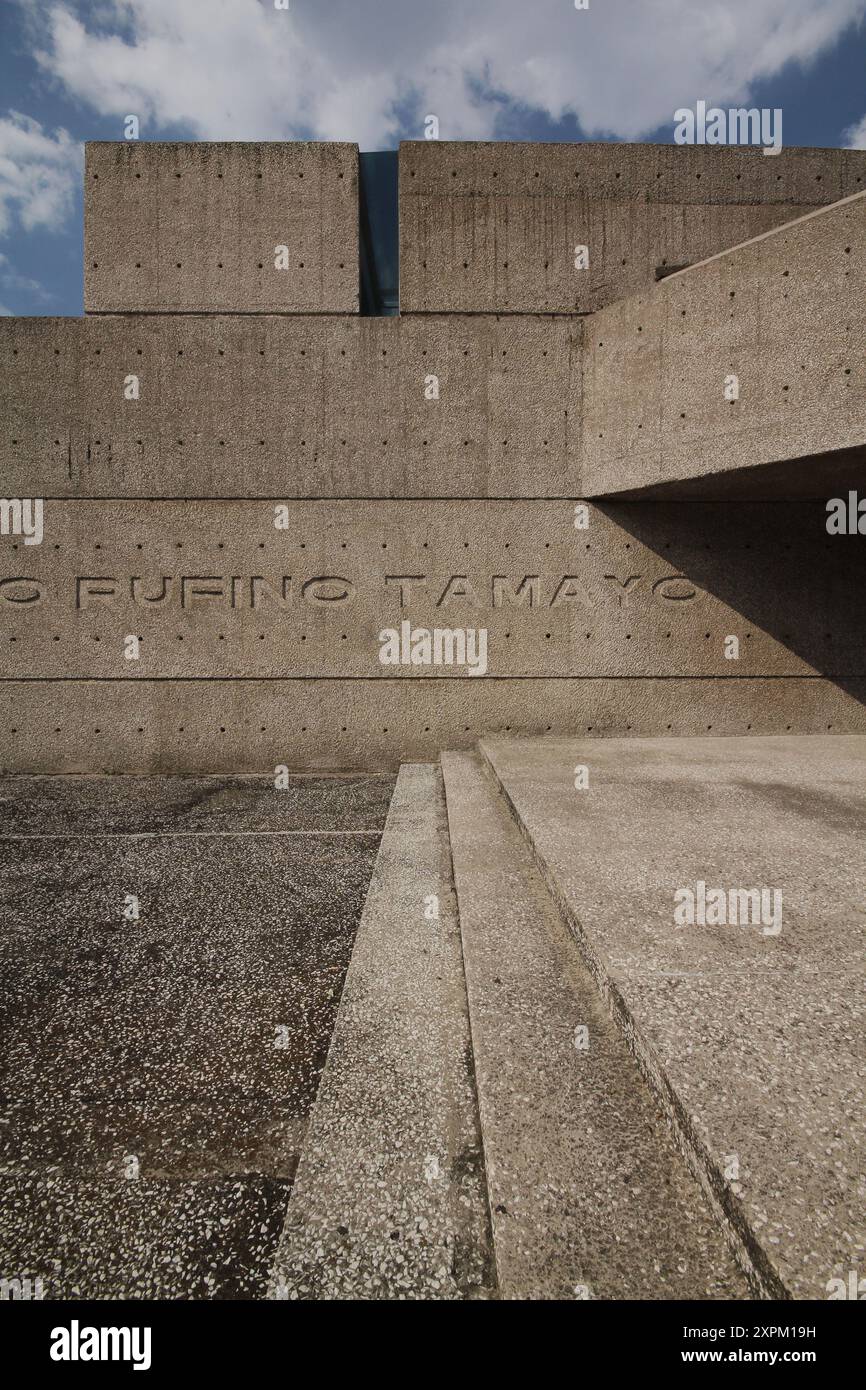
x=751, y=1036
x=389, y=1199
x=589, y=1195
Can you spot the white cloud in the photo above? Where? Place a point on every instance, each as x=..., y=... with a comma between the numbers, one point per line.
x=855, y=136
x=40, y=174
x=240, y=69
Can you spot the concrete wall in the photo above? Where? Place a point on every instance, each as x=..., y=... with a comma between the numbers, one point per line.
x=492, y=228
x=213, y=588
x=785, y=315
x=255, y=726
x=297, y=407
x=617, y=628
x=192, y=227
x=166, y=445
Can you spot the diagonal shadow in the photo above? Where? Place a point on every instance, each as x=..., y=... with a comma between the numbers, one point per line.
x=773, y=563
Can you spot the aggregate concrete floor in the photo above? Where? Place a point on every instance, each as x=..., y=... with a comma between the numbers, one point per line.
x=156, y=1073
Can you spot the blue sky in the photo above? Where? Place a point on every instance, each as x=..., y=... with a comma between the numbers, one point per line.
x=370, y=72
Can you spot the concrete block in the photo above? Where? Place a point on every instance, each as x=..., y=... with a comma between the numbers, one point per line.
x=780, y=325
x=389, y=1200
x=195, y=227
x=492, y=228
x=751, y=1034
x=275, y=406
x=588, y=1195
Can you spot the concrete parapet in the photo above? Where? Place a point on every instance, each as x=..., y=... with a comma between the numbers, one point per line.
x=493, y=228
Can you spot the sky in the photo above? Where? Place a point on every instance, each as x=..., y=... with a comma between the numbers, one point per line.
x=370, y=71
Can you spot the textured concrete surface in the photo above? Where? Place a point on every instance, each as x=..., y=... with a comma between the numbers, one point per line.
x=754, y=1041
x=389, y=1200
x=158, y=1077
x=784, y=314
x=212, y=589
x=261, y=647
x=274, y=406
x=252, y=726
x=151, y=1239
x=588, y=1194
x=492, y=228
x=67, y=807
x=183, y=227
x=157, y=1073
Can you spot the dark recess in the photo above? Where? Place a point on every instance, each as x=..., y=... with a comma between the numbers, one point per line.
x=379, y=243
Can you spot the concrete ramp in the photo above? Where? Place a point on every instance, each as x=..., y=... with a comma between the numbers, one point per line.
x=751, y=1034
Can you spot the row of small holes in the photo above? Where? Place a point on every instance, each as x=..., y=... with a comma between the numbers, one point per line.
x=178, y=265
x=618, y=175
x=425, y=545
x=282, y=175
x=785, y=637
x=179, y=443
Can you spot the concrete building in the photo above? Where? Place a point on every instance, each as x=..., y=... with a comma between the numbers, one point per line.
x=579, y=526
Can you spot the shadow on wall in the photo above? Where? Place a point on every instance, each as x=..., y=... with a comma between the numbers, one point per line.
x=775, y=565
x=816, y=477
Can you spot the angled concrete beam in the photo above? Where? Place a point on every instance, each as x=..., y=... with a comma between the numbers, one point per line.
x=754, y=358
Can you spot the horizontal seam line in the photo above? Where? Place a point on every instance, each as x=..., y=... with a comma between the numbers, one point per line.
x=412, y=680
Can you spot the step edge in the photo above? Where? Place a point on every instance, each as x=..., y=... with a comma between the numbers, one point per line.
x=752, y=1256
